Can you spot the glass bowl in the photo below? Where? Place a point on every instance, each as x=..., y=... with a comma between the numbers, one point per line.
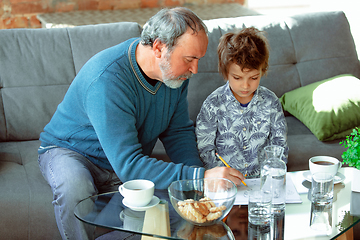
x=203, y=201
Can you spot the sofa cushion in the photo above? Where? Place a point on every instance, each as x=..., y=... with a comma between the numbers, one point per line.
x=304, y=146
x=88, y=40
x=23, y=88
x=37, y=67
x=329, y=108
x=27, y=202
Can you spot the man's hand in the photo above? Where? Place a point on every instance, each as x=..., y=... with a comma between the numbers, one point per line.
x=224, y=172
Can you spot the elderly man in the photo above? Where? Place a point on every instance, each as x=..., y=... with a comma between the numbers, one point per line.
x=123, y=100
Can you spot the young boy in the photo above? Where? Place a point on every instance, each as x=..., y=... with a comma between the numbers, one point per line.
x=240, y=118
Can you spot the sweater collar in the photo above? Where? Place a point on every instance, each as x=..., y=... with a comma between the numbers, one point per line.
x=134, y=66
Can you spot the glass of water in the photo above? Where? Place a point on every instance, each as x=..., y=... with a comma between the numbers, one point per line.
x=259, y=207
x=322, y=191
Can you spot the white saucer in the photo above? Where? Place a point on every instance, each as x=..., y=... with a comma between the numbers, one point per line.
x=154, y=201
x=339, y=177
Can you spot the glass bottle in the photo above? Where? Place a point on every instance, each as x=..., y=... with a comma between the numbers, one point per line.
x=273, y=177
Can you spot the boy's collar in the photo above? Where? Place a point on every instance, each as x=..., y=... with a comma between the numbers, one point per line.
x=254, y=99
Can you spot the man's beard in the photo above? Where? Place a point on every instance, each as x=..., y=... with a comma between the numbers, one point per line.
x=168, y=78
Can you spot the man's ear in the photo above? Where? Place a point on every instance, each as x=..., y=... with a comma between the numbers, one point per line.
x=158, y=48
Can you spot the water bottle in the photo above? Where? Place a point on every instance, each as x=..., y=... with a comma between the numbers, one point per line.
x=273, y=177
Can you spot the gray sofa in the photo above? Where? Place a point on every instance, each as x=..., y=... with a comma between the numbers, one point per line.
x=37, y=66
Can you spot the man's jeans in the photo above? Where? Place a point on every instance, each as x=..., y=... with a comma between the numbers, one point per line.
x=72, y=177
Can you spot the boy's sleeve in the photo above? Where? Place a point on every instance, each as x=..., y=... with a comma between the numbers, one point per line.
x=206, y=127
x=279, y=129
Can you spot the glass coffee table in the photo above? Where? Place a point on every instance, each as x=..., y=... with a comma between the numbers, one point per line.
x=162, y=221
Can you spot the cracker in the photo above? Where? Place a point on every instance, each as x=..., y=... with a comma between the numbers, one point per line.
x=200, y=211
x=183, y=203
x=217, y=209
x=199, y=217
x=209, y=203
x=187, y=213
x=202, y=208
x=213, y=216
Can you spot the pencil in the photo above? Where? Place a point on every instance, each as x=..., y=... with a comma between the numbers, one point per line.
x=227, y=165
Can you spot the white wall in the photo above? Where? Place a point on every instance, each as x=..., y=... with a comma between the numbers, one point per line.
x=290, y=7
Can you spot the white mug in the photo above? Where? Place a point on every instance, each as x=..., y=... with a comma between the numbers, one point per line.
x=137, y=193
x=324, y=164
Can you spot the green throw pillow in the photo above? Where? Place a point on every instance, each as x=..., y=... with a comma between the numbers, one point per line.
x=329, y=108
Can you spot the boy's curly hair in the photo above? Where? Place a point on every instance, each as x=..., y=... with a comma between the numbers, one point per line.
x=248, y=48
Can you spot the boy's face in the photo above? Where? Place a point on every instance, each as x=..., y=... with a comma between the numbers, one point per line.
x=243, y=84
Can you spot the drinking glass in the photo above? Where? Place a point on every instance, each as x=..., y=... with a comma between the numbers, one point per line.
x=259, y=207
x=322, y=192
x=259, y=232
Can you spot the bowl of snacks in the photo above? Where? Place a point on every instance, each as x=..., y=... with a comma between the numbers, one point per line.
x=203, y=201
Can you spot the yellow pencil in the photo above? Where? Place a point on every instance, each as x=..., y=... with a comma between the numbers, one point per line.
x=227, y=165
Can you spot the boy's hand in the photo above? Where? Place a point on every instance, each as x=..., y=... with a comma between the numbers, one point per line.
x=224, y=172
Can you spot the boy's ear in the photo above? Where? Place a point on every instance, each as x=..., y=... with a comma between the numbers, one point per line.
x=158, y=48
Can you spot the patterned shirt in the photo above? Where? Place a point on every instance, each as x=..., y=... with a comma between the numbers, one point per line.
x=239, y=134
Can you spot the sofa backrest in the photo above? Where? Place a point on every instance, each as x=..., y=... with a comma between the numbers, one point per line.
x=304, y=49
x=37, y=66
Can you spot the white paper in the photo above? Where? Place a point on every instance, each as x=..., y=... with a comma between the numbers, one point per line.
x=292, y=195
x=355, y=183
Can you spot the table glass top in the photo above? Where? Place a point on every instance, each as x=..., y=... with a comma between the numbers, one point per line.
x=162, y=221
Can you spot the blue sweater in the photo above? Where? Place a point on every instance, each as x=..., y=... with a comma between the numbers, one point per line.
x=113, y=116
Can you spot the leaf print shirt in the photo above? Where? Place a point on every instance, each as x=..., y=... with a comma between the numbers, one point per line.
x=237, y=133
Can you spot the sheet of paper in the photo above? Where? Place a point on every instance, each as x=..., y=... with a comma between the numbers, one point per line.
x=292, y=195
x=301, y=184
x=355, y=183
